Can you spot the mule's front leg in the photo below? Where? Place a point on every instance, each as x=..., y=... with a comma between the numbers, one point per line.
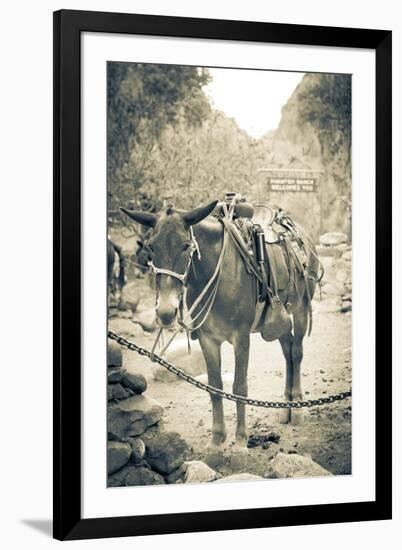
x=212, y=354
x=240, y=451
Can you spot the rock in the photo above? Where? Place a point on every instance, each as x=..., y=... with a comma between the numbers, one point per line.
x=112, y=312
x=125, y=327
x=142, y=476
x=116, y=391
x=197, y=471
x=125, y=314
x=152, y=432
x=240, y=477
x=333, y=289
x=343, y=275
x=139, y=364
x=166, y=451
x=118, y=454
x=163, y=375
x=114, y=481
x=227, y=380
x=138, y=448
x=131, y=296
x=132, y=416
x=193, y=363
x=134, y=476
x=112, y=302
x=333, y=239
x=348, y=287
x=114, y=375
x=347, y=255
x=328, y=251
x=114, y=354
x=295, y=465
x=147, y=319
x=135, y=382
x=263, y=440
x=177, y=476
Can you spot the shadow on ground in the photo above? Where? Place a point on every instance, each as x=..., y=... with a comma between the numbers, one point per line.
x=42, y=525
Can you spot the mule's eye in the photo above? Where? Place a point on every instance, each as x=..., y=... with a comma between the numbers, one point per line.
x=185, y=246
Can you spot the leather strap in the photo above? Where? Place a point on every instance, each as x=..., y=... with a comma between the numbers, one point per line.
x=206, y=308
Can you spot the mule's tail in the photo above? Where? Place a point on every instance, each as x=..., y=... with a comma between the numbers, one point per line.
x=313, y=275
x=309, y=310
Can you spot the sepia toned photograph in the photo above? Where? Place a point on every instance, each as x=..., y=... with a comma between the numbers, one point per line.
x=229, y=274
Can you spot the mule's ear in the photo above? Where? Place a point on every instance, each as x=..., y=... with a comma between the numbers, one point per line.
x=144, y=218
x=198, y=214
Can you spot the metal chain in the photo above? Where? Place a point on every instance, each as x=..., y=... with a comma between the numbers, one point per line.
x=220, y=393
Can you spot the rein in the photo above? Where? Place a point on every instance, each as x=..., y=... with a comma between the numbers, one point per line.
x=187, y=323
x=204, y=310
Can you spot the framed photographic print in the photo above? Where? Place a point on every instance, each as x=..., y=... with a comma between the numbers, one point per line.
x=222, y=274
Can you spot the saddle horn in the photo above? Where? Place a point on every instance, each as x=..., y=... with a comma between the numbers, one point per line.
x=144, y=218
x=198, y=214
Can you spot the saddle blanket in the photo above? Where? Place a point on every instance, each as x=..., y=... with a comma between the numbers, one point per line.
x=279, y=265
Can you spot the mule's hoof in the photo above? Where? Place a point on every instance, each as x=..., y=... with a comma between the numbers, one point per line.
x=296, y=417
x=214, y=456
x=284, y=416
x=239, y=458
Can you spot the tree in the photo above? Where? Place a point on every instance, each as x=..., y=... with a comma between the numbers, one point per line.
x=326, y=104
x=142, y=100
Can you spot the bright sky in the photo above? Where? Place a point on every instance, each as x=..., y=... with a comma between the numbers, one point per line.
x=253, y=98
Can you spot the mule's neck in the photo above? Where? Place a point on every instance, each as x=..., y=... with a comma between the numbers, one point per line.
x=209, y=235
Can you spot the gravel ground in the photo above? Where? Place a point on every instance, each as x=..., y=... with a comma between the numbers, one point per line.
x=325, y=434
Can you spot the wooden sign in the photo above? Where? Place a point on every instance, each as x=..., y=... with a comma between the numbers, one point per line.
x=292, y=184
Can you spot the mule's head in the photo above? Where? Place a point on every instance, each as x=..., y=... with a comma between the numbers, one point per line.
x=170, y=248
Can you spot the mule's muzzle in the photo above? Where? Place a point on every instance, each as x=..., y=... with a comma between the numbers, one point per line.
x=166, y=316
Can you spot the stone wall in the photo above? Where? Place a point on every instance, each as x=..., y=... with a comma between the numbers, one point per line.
x=140, y=451
x=336, y=257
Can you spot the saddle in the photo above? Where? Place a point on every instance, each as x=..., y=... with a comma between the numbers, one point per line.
x=272, y=250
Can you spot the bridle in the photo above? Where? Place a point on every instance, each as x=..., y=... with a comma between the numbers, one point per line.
x=191, y=323
x=187, y=322
x=182, y=277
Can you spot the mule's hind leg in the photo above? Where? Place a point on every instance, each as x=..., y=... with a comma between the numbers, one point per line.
x=212, y=354
x=286, y=344
x=240, y=451
x=292, y=347
x=300, y=323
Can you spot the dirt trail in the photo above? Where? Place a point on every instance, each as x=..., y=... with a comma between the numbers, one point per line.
x=325, y=434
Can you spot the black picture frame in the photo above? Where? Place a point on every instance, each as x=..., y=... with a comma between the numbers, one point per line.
x=68, y=26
